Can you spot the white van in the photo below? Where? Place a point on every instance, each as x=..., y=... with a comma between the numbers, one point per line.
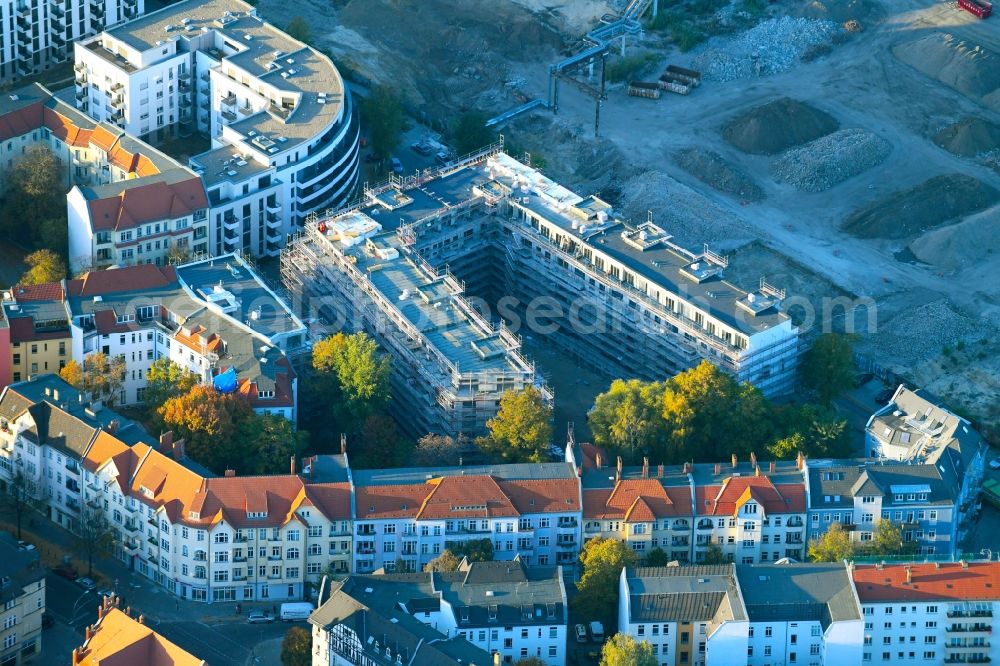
x=296, y=611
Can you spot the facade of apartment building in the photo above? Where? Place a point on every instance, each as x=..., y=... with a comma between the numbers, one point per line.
x=761, y=614
x=35, y=36
x=38, y=339
x=752, y=514
x=925, y=613
x=859, y=493
x=22, y=602
x=381, y=621
x=406, y=517
x=118, y=638
x=283, y=126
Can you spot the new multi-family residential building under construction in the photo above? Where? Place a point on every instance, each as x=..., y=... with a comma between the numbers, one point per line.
x=408, y=262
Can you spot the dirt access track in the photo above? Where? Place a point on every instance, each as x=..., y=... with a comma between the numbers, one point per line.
x=915, y=69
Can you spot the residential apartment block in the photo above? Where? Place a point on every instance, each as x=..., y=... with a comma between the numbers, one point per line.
x=36, y=35
x=751, y=514
x=736, y=614
x=128, y=203
x=368, y=620
x=282, y=124
x=406, y=517
x=859, y=493
x=117, y=638
x=22, y=602
x=925, y=614
x=627, y=300
x=506, y=609
x=215, y=318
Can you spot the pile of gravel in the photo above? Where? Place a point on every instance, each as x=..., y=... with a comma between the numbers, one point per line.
x=832, y=159
x=921, y=332
x=770, y=47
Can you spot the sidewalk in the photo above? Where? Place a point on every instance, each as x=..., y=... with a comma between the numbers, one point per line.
x=138, y=592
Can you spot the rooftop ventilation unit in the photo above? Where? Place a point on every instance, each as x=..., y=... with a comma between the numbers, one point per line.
x=185, y=21
x=169, y=27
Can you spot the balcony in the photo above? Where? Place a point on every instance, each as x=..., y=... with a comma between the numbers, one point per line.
x=117, y=101
x=247, y=110
x=966, y=629
x=229, y=100
x=241, y=577
x=130, y=546
x=273, y=221
x=795, y=521
x=152, y=541
x=960, y=659
x=184, y=76
x=228, y=116
x=205, y=76
x=681, y=525
x=56, y=38
x=970, y=613
x=230, y=223
x=130, y=526
x=566, y=543
x=567, y=523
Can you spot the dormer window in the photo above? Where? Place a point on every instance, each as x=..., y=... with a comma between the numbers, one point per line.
x=265, y=395
x=493, y=612
x=464, y=615
x=194, y=515
x=125, y=318
x=146, y=492
x=256, y=515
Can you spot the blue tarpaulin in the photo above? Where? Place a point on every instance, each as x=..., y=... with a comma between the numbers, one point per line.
x=225, y=382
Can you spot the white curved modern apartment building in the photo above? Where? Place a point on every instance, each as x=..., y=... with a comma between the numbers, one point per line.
x=282, y=124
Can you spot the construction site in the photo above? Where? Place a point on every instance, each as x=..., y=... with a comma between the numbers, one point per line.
x=839, y=150
x=622, y=300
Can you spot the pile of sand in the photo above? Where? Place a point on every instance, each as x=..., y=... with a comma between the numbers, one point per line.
x=777, y=126
x=969, y=137
x=961, y=245
x=965, y=66
x=865, y=12
x=929, y=205
x=710, y=168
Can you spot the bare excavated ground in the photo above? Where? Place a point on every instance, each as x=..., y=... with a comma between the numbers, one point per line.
x=920, y=84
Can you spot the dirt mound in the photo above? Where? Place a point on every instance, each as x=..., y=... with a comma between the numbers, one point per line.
x=832, y=159
x=865, y=12
x=691, y=218
x=960, y=245
x=969, y=137
x=777, y=126
x=965, y=66
x=929, y=205
x=711, y=169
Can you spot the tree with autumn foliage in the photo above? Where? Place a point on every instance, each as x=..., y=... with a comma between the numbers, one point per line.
x=522, y=429
x=602, y=561
x=34, y=207
x=352, y=375
x=44, y=266
x=100, y=375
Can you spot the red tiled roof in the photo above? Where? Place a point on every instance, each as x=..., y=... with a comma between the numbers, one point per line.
x=22, y=329
x=726, y=499
x=465, y=497
x=544, y=495
x=637, y=500
x=403, y=501
x=589, y=454
x=47, y=291
x=128, y=278
x=944, y=581
x=65, y=129
x=147, y=203
x=21, y=121
x=231, y=498
x=333, y=500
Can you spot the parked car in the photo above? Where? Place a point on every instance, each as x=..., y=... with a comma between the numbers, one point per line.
x=581, y=633
x=47, y=620
x=442, y=157
x=66, y=571
x=24, y=545
x=86, y=583
x=105, y=593
x=597, y=632
x=422, y=148
x=995, y=463
x=397, y=166
x=260, y=617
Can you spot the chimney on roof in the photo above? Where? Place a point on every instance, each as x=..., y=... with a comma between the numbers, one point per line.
x=773, y=466
x=55, y=395
x=800, y=461
x=718, y=467
x=113, y=426
x=645, y=467
x=756, y=470
x=753, y=459
x=87, y=633
x=76, y=657
x=141, y=619
x=618, y=465
x=230, y=473
x=850, y=565
x=659, y=471
x=734, y=460
x=292, y=465
x=167, y=441
x=937, y=565
x=909, y=574
x=496, y=659
x=178, y=450
x=343, y=443
x=965, y=565
x=598, y=460
x=48, y=391
x=687, y=468
x=879, y=566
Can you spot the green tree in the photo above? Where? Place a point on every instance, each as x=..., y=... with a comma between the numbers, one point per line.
x=623, y=650
x=714, y=555
x=522, y=429
x=887, y=540
x=382, y=111
x=827, y=368
x=477, y=550
x=833, y=545
x=166, y=380
x=787, y=448
x=266, y=444
x=437, y=451
x=94, y=537
x=383, y=445
x=628, y=418
x=446, y=561
x=298, y=29
x=470, y=133
x=209, y=421
x=45, y=266
x=35, y=201
x=657, y=558
x=602, y=561
x=296, y=648
x=99, y=375
x=361, y=372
